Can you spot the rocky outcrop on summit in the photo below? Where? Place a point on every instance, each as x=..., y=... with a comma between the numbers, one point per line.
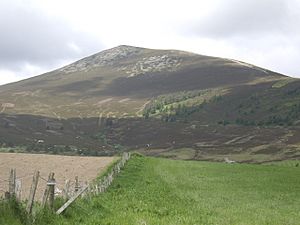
x=156, y=63
x=105, y=58
x=153, y=62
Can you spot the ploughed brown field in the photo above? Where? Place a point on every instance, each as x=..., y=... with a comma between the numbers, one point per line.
x=64, y=167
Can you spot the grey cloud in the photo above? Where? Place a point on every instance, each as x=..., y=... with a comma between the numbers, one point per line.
x=266, y=29
x=248, y=17
x=28, y=36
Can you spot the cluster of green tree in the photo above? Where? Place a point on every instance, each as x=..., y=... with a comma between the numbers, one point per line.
x=182, y=112
x=246, y=122
x=224, y=122
x=48, y=148
x=252, y=100
x=289, y=117
x=68, y=150
x=170, y=112
x=158, y=104
x=293, y=92
x=101, y=136
x=250, y=105
x=281, y=118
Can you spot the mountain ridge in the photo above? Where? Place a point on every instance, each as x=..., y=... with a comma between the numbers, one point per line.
x=97, y=99
x=120, y=53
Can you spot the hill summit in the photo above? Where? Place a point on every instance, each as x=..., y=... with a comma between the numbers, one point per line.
x=135, y=97
x=133, y=71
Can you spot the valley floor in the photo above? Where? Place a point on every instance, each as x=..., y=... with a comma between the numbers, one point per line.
x=168, y=192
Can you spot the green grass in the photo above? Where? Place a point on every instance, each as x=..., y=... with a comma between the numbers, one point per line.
x=287, y=163
x=13, y=213
x=180, y=153
x=161, y=191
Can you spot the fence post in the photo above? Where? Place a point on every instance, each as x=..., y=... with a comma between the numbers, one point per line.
x=67, y=189
x=119, y=167
x=34, y=184
x=89, y=191
x=47, y=191
x=101, y=187
x=77, y=186
x=12, y=183
x=96, y=189
x=51, y=184
x=19, y=189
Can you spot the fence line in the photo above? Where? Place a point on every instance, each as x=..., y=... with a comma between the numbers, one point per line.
x=4, y=184
x=100, y=186
x=70, y=190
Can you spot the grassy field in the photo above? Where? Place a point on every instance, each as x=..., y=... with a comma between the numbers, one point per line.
x=160, y=191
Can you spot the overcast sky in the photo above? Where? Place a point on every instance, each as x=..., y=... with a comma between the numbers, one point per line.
x=38, y=36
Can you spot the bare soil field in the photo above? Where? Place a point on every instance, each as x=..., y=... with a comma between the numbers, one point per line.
x=64, y=167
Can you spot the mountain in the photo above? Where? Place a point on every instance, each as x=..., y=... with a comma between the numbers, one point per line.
x=164, y=102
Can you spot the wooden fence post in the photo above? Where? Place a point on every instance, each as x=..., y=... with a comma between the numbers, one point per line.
x=100, y=187
x=47, y=191
x=89, y=191
x=67, y=189
x=19, y=190
x=119, y=168
x=12, y=183
x=77, y=186
x=96, y=188
x=34, y=184
x=51, y=184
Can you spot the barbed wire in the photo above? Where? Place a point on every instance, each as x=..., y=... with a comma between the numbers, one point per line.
x=25, y=176
x=28, y=175
x=58, y=184
x=46, y=180
x=43, y=178
x=17, y=178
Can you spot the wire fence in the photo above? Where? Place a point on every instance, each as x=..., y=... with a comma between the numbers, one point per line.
x=23, y=185
x=26, y=186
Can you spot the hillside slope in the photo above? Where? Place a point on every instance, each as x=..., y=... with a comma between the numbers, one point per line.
x=121, y=80
x=130, y=97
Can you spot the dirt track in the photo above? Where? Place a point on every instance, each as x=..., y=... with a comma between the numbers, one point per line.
x=64, y=167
